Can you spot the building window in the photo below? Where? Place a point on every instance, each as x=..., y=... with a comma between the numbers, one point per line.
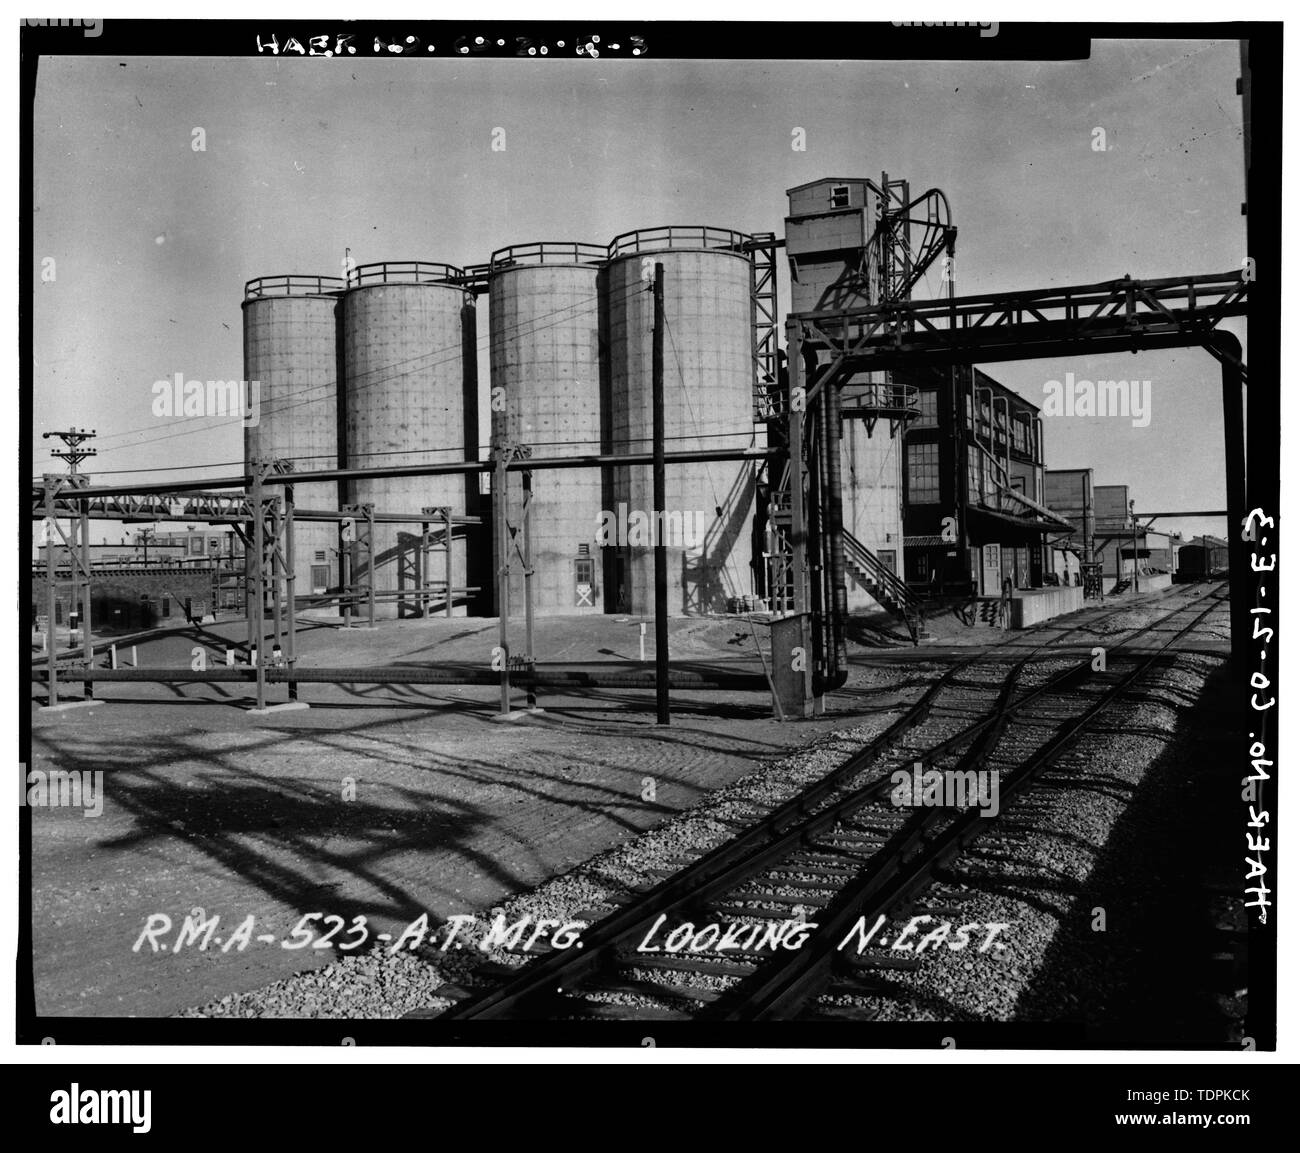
x=1020, y=436
x=975, y=479
x=320, y=577
x=923, y=474
x=167, y=606
x=839, y=196
x=929, y=417
x=888, y=558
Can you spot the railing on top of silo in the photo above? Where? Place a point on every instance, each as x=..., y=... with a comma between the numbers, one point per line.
x=548, y=252
x=695, y=236
x=403, y=272
x=292, y=284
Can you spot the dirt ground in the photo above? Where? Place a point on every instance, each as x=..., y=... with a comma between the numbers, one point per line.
x=380, y=801
x=384, y=802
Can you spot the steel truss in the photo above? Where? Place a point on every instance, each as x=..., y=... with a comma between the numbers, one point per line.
x=1128, y=315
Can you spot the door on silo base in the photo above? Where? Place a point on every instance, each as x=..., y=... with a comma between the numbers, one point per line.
x=584, y=582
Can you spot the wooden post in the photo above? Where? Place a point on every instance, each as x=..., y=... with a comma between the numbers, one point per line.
x=660, y=499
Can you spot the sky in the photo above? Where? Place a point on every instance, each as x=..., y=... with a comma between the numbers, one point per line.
x=152, y=241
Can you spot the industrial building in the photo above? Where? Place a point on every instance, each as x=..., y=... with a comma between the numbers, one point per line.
x=974, y=511
x=1106, y=534
x=1123, y=545
x=942, y=479
x=1068, y=492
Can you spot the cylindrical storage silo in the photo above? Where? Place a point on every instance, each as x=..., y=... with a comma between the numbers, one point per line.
x=291, y=366
x=410, y=397
x=546, y=395
x=708, y=404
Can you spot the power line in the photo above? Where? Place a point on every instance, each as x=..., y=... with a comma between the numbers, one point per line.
x=73, y=453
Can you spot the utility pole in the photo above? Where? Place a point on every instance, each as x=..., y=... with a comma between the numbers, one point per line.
x=660, y=499
x=143, y=536
x=1133, y=514
x=73, y=453
x=78, y=546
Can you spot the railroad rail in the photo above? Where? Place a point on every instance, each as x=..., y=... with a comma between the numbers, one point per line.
x=814, y=851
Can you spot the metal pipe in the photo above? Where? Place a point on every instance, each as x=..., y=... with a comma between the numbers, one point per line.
x=660, y=499
x=834, y=530
x=691, y=456
x=616, y=675
x=1240, y=586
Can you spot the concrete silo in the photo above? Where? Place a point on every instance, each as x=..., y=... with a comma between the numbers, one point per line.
x=546, y=394
x=291, y=348
x=410, y=397
x=708, y=403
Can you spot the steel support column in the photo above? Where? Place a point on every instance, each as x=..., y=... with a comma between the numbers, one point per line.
x=1240, y=584
x=501, y=535
x=290, y=561
x=51, y=596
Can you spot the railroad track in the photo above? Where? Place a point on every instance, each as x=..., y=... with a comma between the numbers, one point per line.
x=839, y=856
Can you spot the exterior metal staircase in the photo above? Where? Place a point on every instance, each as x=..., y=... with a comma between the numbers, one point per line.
x=883, y=584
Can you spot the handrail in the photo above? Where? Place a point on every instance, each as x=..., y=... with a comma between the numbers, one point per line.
x=894, y=586
x=402, y=272
x=668, y=236
x=883, y=397
x=548, y=252
x=292, y=284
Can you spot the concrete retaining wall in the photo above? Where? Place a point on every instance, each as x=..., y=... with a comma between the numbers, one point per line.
x=1032, y=606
